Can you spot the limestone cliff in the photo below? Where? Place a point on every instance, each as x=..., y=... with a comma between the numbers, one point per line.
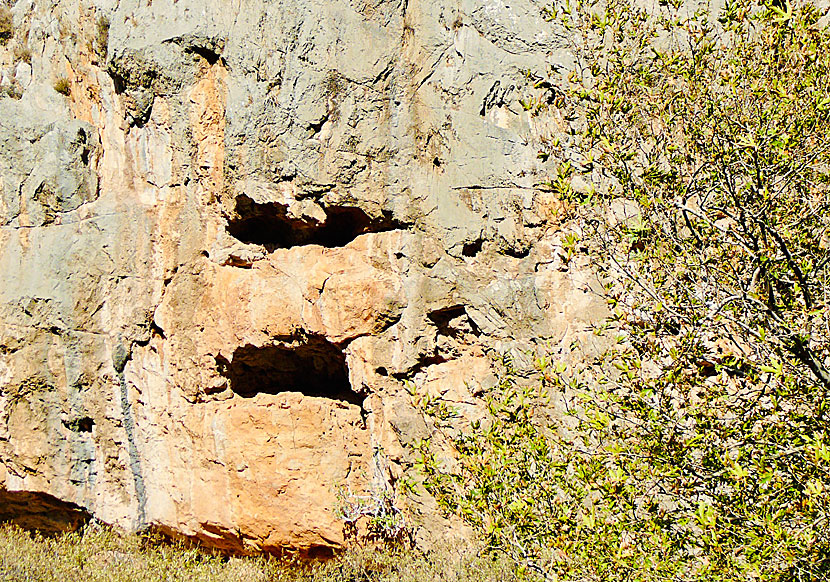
x=242, y=230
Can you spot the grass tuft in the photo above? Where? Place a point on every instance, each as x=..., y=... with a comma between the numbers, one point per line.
x=22, y=54
x=6, y=25
x=102, y=37
x=63, y=86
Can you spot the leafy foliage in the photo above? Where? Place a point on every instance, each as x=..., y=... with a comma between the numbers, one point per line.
x=697, y=448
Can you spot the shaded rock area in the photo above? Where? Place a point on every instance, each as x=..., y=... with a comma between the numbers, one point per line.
x=40, y=511
x=310, y=366
x=270, y=225
x=247, y=234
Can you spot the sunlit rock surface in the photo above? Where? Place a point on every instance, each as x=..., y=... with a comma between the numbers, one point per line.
x=247, y=232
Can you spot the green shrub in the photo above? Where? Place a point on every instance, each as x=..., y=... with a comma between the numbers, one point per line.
x=698, y=448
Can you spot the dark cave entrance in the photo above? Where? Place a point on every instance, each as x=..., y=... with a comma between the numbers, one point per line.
x=270, y=225
x=312, y=366
x=33, y=510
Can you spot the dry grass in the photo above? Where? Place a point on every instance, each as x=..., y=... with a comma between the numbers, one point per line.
x=100, y=41
x=63, y=86
x=99, y=555
x=22, y=54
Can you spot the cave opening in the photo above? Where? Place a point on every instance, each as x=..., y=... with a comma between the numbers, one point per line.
x=270, y=225
x=471, y=249
x=312, y=366
x=34, y=510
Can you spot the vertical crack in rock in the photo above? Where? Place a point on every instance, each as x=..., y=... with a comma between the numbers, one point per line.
x=312, y=366
x=270, y=225
x=121, y=356
x=41, y=511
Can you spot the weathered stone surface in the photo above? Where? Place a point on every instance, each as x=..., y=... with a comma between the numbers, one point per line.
x=247, y=227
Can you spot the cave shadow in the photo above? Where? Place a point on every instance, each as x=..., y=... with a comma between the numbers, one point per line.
x=270, y=225
x=34, y=510
x=312, y=366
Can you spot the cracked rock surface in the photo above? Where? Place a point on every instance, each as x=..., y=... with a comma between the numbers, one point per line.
x=247, y=232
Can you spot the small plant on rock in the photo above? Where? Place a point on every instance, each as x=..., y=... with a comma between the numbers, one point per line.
x=63, y=86
x=6, y=25
x=22, y=54
x=102, y=36
x=379, y=508
x=11, y=91
x=384, y=519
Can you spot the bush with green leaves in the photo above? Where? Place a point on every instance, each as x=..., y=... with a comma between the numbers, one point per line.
x=697, y=448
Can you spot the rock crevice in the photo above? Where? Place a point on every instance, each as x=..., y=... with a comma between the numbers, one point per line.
x=310, y=365
x=271, y=225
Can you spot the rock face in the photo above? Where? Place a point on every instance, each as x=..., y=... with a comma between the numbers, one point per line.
x=247, y=232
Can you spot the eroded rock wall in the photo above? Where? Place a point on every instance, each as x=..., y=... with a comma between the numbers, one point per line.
x=245, y=233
